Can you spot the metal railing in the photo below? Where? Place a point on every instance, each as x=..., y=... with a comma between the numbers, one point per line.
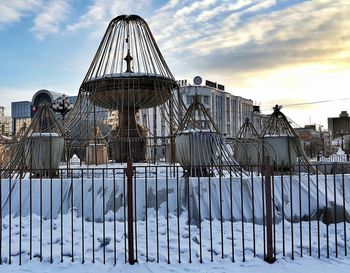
x=157, y=213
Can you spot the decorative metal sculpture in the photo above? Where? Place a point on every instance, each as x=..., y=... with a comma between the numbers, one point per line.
x=248, y=146
x=40, y=148
x=128, y=73
x=62, y=105
x=279, y=135
x=200, y=145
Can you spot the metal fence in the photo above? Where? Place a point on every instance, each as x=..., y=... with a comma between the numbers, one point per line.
x=157, y=213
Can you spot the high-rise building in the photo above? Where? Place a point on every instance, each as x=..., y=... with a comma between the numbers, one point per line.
x=340, y=131
x=339, y=126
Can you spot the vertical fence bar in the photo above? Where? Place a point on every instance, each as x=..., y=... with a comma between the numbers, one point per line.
x=231, y=208
x=211, y=221
x=30, y=217
x=200, y=221
x=178, y=215
x=242, y=214
x=270, y=252
x=274, y=212
x=291, y=211
x=72, y=214
x=124, y=218
x=51, y=216
x=344, y=211
x=61, y=209
x=309, y=208
x=82, y=219
x=146, y=212
x=93, y=214
x=20, y=220
x=41, y=216
x=335, y=209
x=167, y=214
x=253, y=208
x=187, y=181
x=318, y=215
x=221, y=215
x=129, y=175
x=0, y=217
x=103, y=216
x=263, y=210
x=135, y=217
x=283, y=217
x=300, y=220
x=114, y=221
x=327, y=216
x=157, y=219
x=10, y=215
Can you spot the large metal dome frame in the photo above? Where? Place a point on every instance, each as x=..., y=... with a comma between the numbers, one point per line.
x=128, y=74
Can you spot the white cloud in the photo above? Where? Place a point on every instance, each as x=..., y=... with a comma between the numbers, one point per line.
x=102, y=11
x=13, y=11
x=50, y=19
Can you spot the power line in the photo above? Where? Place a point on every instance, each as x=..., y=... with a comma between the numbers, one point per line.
x=310, y=103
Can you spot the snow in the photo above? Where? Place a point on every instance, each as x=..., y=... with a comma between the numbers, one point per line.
x=305, y=264
x=126, y=75
x=44, y=135
x=251, y=264
x=340, y=151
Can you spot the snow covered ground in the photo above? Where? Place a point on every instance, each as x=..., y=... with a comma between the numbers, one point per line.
x=172, y=237
x=209, y=245
x=305, y=264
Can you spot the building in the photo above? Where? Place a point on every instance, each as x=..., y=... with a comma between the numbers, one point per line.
x=313, y=139
x=339, y=128
x=22, y=112
x=258, y=119
x=5, y=123
x=228, y=111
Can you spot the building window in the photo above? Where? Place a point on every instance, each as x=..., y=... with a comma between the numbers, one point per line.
x=206, y=100
x=189, y=99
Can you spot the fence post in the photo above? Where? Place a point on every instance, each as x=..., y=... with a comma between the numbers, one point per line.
x=129, y=174
x=268, y=199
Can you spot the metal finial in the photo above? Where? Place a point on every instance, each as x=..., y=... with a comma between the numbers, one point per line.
x=128, y=60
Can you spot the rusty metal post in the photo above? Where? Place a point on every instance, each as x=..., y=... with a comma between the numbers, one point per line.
x=129, y=174
x=268, y=199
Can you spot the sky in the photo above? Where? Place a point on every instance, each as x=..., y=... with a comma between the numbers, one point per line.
x=288, y=52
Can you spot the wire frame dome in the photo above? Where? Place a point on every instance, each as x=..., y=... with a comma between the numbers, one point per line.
x=249, y=147
x=40, y=147
x=200, y=145
x=128, y=69
x=280, y=135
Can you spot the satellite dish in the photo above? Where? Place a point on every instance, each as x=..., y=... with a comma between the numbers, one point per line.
x=197, y=80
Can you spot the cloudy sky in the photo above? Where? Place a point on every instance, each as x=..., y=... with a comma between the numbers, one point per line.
x=290, y=52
